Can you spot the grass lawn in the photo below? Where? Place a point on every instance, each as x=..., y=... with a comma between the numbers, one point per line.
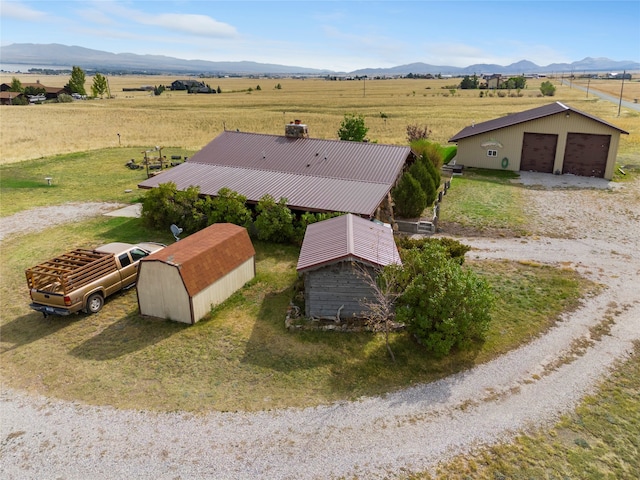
x=484, y=201
x=241, y=357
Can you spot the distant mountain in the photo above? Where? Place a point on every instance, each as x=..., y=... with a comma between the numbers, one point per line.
x=524, y=66
x=62, y=55
x=105, y=62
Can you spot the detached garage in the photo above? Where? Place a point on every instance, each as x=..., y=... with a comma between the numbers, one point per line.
x=184, y=280
x=553, y=138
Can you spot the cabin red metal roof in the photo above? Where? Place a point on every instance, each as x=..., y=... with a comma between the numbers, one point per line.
x=207, y=255
x=312, y=174
x=521, y=117
x=345, y=238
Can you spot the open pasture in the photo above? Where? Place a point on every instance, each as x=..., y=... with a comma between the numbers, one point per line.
x=190, y=121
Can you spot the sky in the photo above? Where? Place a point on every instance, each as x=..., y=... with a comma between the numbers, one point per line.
x=342, y=36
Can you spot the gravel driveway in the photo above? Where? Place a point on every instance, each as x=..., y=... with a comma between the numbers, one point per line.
x=374, y=437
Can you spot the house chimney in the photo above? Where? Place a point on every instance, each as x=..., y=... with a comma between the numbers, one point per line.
x=296, y=129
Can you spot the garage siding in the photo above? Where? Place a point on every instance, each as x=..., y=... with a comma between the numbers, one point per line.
x=472, y=153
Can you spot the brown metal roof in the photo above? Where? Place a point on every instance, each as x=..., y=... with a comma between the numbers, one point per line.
x=521, y=117
x=312, y=174
x=207, y=255
x=344, y=238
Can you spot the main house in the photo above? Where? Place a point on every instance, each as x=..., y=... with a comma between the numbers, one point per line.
x=312, y=174
x=553, y=138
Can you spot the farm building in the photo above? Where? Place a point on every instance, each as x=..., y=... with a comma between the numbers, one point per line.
x=184, y=280
x=553, y=138
x=49, y=93
x=335, y=254
x=312, y=174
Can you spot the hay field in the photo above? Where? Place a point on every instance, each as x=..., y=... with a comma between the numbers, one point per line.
x=177, y=119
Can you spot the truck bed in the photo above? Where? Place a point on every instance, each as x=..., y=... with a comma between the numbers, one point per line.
x=70, y=271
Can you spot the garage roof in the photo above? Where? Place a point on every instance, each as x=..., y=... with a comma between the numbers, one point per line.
x=312, y=174
x=346, y=238
x=521, y=117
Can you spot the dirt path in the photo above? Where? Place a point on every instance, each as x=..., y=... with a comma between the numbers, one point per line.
x=374, y=437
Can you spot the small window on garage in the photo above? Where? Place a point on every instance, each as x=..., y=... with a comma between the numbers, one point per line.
x=492, y=153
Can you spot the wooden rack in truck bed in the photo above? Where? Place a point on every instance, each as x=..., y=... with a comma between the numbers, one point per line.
x=70, y=271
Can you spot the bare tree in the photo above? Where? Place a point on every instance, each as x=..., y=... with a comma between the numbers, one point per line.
x=379, y=310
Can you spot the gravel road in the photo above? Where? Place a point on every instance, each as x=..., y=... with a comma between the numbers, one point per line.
x=379, y=437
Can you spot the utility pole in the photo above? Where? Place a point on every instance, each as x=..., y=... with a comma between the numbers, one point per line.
x=624, y=74
x=588, y=82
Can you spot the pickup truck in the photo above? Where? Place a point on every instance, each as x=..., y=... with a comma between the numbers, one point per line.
x=81, y=279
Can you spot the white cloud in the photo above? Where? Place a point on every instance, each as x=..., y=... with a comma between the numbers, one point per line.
x=19, y=11
x=200, y=25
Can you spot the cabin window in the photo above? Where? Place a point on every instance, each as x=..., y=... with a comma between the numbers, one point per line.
x=492, y=153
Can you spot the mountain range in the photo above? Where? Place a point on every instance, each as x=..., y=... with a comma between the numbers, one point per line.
x=50, y=55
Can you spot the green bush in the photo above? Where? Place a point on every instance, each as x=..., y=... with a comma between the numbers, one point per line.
x=352, y=128
x=166, y=205
x=448, y=153
x=444, y=306
x=421, y=173
x=408, y=197
x=547, y=89
x=432, y=162
x=227, y=207
x=274, y=220
x=453, y=248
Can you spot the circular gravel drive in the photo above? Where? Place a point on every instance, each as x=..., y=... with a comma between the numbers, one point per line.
x=379, y=437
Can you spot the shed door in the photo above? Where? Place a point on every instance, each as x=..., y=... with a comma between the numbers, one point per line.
x=586, y=154
x=538, y=152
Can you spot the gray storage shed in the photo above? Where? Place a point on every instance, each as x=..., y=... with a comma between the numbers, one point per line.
x=332, y=258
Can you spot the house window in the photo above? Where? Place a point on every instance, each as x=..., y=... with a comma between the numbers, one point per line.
x=492, y=153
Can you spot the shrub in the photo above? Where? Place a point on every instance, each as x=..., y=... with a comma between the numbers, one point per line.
x=443, y=305
x=352, y=128
x=421, y=173
x=227, y=207
x=547, y=89
x=432, y=160
x=453, y=248
x=416, y=133
x=274, y=220
x=409, y=198
x=65, y=98
x=166, y=205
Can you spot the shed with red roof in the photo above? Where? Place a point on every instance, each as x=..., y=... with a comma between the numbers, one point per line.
x=183, y=281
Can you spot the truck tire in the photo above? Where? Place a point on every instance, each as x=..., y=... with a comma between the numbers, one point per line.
x=94, y=303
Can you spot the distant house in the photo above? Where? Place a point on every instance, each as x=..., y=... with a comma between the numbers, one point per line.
x=187, y=85
x=338, y=260
x=50, y=93
x=494, y=81
x=184, y=280
x=7, y=98
x=553, y=138
x=312, y=174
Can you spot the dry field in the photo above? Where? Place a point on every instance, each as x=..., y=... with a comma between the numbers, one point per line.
x=177, y=119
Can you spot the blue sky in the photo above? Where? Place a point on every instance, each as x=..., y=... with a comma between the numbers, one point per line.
x=337, y=35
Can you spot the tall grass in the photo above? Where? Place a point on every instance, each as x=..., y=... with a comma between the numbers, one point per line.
x=180, y=120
